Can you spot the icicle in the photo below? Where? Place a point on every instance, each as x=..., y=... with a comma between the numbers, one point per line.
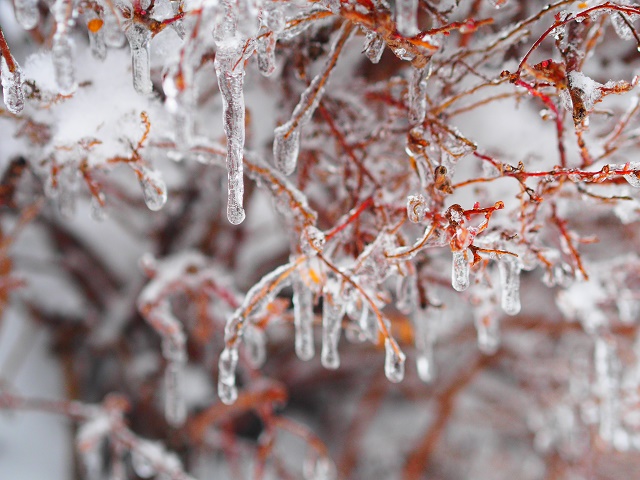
x=141, y=465
x=393, y=361
x=286, y=144
x=373, y=46
x=607, y=369
x=460, y=270
x=407, y=17
x=418, y=93
x=114, y=37
x=407, y=293
x=89, y=441
x=369, y=325
x=98, y=212
x=227, y=390
x=416, y=208
x=96, y=34
x=62, y=49
x=322, y=468
x=154, y=189
x=266, y=49
x=509, y=268
x=178, y=25
x=488, y=328
x=174, y=406
x=27, y=13
x=180, y=102
x=303, y=319
x=332, y=313
x=139, y=37
x=12, y=93
x=255, y=346
x=424, y=324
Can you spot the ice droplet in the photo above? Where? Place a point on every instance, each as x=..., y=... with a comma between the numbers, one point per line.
x=12, y=93
x=139, y=37
x=27, y=13
x=175, y=409
x=509, y=268
x=393, y=361
x=332, y=313
x=460, y=270
x=230, y=82
x=373, y=46
x=154, y=189
x=303, y=319
x=227, y=390
x=141, y=465
x=418, y=93
x=407, y=17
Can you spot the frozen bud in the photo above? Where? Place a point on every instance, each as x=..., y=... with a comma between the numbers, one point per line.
x=416, y=208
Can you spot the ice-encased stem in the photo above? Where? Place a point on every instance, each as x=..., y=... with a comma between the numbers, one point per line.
x=230, y=82
x=139, y=37
x=407, y=17
x=286, y=144
x=27, y=13
x=460, y=270
x=418, y=93
x=12, y=93
x=303, y=319
x=509, y=268
x=332, y=313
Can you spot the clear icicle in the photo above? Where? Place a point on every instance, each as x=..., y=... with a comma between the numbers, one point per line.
x=393, y=361
x=139, y=37
x=369, y=325
x=227, y=390
x=96, y=36
x=373, y=46
x=407, y=293
x=114, y=37
x=64, y=71
x=424, y=324
x=488, y=328
x=303, y=319
x=230, y=82
x=266, y=50
x=27, y=13
x=286, y=144
x=255, y=344
x=174, y=405
x=418, y=93
x=407, y=17
x=607, y=369
x=12, y=93
x=460, y=270
x=332, y=313
x=154, y=189
x=509, y=268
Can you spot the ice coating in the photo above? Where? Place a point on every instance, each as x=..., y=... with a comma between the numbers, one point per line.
x=303, y=319
x=394, y=361
x=407, y=17
x=460, y=270
x=12, y=93
x=27, y=13
x=227, y=390
x=510, y=268
x=139, y=37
